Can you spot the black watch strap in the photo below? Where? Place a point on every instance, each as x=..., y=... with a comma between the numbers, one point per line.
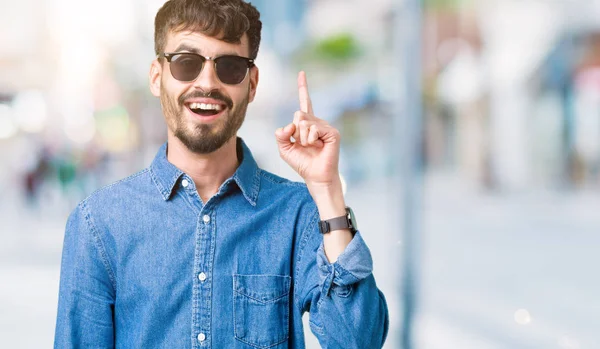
x=337, y=223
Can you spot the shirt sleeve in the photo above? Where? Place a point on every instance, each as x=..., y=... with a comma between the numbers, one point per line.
x=347, y=310
x=86, y=292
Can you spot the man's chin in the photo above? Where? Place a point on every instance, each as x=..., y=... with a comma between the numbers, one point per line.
x=204, y=142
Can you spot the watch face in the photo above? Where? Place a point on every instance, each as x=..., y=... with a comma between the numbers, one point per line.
x=351, y=217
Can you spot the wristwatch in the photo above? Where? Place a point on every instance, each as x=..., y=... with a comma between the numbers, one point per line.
x=344, y=222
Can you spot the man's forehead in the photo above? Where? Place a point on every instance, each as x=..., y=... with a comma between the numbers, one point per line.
x=197, y=42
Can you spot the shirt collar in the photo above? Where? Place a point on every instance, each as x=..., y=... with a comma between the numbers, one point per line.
x=247, y=176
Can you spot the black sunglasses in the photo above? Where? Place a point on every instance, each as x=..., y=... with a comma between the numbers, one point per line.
x=186, y=66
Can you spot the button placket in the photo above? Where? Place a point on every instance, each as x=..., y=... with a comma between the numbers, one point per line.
x=202, y=277
x=203, y=288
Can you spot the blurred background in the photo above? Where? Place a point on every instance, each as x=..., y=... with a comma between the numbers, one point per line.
x=505, y=204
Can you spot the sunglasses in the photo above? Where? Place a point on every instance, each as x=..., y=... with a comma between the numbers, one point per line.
x=186, y=67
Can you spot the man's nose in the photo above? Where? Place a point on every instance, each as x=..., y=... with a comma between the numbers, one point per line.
x=207, y=80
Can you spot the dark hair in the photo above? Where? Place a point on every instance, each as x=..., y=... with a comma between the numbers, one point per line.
x=226, y=20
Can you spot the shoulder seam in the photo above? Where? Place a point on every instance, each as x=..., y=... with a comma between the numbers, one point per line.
x=99, y=244
x=270, y=177
x=126, y=179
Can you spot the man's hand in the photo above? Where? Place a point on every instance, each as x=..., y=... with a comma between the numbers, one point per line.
x=314, y=154
x=314, y=151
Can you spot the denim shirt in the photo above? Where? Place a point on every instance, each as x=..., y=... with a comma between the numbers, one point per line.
x=147, y=264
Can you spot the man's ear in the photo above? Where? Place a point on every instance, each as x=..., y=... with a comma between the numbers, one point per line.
x=155, y=77
x=253, y=83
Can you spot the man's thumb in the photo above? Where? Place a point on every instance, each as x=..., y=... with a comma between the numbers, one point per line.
x=284, y=134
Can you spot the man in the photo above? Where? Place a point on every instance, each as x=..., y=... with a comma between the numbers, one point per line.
x=203, y=249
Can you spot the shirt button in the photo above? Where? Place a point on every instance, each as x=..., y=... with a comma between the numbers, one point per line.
x=185, y=183
x=202, y=276
x=201, y=337
x=206, y=218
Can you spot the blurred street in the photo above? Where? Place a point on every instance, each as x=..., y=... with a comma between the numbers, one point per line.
x=510, y=271
x=29, y=269
x=498, y=109
x=495, y=274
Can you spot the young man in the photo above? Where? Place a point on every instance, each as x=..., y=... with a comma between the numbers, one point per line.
x=203, y=249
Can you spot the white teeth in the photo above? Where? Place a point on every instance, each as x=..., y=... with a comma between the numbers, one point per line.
x=206, y=106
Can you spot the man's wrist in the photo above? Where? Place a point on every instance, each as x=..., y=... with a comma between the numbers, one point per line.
x=329, y=199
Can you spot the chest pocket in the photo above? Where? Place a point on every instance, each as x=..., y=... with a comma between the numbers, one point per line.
x=261, y=309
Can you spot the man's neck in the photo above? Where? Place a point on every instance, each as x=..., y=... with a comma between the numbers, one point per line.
x=208, y=171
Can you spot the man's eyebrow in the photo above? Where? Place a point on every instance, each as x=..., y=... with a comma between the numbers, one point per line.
x=186, y=47
x=192, y=49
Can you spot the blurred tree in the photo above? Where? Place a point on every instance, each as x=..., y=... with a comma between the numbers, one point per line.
x=334, y=50
x=341, y=47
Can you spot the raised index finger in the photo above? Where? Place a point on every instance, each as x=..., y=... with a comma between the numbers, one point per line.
x=305, y=103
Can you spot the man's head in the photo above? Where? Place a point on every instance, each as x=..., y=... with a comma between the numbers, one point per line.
x=207, y=110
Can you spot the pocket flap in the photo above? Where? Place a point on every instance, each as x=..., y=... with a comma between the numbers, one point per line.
x=262, y=288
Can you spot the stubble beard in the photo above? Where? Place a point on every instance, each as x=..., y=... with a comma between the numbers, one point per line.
x=202, y=138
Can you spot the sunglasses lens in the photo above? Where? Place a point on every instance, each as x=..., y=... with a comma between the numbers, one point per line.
x=186, y=67
x=231, y=69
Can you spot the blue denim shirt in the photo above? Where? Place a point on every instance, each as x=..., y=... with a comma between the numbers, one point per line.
x=147, y=264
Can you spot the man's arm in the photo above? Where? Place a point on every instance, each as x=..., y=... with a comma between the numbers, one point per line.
x=312, y=148
x=347, y=310
x=87, y=292
x=333, y=274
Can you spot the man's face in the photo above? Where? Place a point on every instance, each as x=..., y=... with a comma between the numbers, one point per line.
x=205, y=113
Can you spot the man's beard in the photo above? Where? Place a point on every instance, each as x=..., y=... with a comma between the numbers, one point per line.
x=202, y=139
